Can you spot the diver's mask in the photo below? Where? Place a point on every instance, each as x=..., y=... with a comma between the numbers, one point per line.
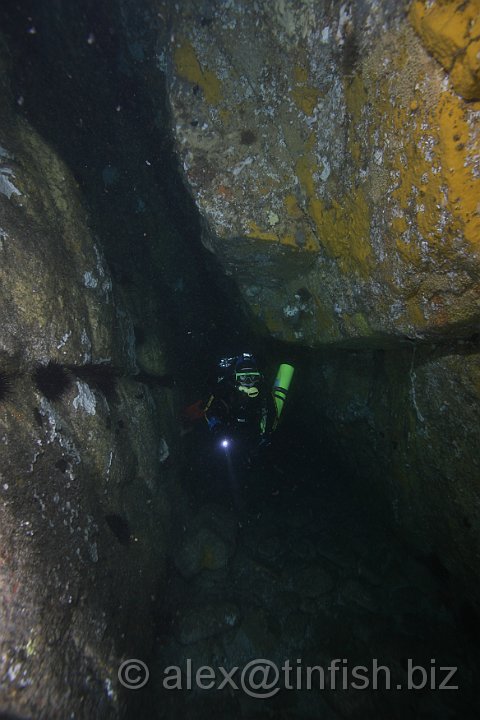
x=246, y=382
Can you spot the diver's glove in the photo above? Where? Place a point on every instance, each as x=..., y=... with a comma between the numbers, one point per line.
x=213, y=423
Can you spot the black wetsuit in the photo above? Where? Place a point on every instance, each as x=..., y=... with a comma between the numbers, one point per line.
x=230, y=409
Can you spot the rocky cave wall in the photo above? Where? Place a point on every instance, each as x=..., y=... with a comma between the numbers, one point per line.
x=105, y=323
x=332, y=149
x=89, y=464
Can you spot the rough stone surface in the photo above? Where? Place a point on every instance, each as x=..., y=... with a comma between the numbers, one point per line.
x=255, y=637
x=84, y=508
x=412, y=418
x=333, y=152
x=201, y=623
x=311, y=613
x=207, y=543
x=451, y=32
x=61, y=292
x=334, y=162
x=202, y=550
x=310, y=581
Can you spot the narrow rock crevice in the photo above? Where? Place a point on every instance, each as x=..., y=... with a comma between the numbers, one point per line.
x=128, y=146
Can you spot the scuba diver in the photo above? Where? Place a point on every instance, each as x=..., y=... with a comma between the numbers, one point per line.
x=242, y=412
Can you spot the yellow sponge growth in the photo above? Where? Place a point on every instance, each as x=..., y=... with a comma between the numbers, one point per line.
x=305, y=96
x=450, y=30
x=458, y=150
x=344, y=228
x=189, y=68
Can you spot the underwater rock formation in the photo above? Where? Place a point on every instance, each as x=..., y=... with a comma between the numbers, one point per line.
x=329, y=151
x=84, y=510
x=333, y=151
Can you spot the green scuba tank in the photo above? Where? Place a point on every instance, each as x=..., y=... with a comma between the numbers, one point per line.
x=281, y=385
